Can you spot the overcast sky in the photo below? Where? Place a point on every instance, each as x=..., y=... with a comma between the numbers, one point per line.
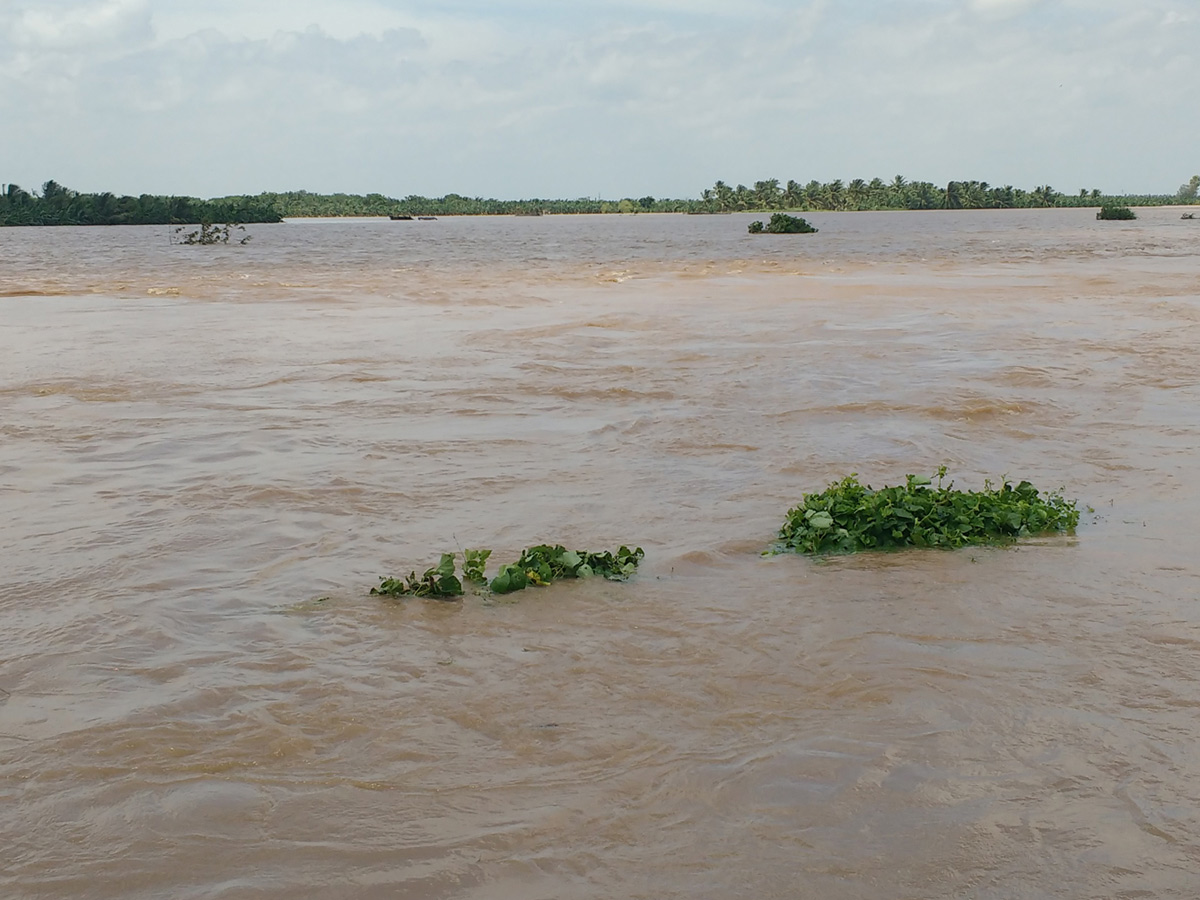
x=573, y=98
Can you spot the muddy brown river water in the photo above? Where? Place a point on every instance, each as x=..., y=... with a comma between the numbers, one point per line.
x=208, y=455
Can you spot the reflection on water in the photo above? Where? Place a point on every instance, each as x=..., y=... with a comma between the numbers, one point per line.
x=208, y=455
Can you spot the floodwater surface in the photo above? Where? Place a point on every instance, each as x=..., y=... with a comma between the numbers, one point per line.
x=209, y=455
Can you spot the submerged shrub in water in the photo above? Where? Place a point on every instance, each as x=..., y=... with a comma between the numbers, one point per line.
x=207, y=234
x=849, y=516
x=782, y=223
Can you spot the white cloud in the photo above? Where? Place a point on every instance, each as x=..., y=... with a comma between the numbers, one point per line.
x=56, y=26
x=521, y=99
x=1002, y=8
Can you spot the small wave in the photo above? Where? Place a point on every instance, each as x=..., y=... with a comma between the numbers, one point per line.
x=35, y=292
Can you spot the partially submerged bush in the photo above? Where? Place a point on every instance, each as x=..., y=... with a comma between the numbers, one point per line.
x=538, y=566
x=207, y=234
x=849, y=516
x=782, y=223
x=1112, y=211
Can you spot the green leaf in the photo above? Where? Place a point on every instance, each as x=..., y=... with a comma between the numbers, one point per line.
x=821, y=520
x=448, y=586
x=474, y=565
x=511, y=578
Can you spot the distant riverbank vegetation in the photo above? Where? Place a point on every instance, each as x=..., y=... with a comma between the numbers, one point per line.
x=768, y=195
x=900, y=193
x=58, y=205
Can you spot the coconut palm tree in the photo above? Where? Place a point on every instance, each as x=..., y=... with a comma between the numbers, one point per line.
x=793, y=195
x=856, y=194
x=767, y=194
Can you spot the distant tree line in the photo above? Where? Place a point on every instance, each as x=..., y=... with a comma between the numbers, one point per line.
x=900, y=193
x=768, y=195
x=301, y=204
x=57, y=205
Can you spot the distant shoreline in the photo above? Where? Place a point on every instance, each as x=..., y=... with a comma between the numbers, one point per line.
x=58, y=205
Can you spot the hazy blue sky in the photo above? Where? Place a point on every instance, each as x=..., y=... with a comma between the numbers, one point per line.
x=571, y=98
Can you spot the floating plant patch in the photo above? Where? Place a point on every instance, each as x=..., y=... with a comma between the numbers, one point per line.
x=849, y=516
x=537, y=566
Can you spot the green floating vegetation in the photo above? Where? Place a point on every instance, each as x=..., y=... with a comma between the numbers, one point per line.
x=440, y=581
x=782, y=223
x=849, y=516
x=474, y=564
x=543, y=564
x=1112, y=211
x=537, y=566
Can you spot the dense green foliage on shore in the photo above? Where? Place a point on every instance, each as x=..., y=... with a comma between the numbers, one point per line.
x=900, y=193
x=57, y=205
x=767, y=195
x=300, y=204
x=876, y=194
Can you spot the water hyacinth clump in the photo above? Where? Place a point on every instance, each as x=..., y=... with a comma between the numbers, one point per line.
x=543, y=564
x=439, y=581
x=537, y=567
x=849, y=516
